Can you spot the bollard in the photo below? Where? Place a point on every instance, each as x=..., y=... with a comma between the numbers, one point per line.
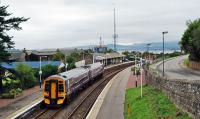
x=135, y=83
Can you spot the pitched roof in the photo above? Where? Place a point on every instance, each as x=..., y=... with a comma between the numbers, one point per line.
x=100, y=56
x=33, y=64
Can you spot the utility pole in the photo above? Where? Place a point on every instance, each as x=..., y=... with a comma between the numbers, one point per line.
x=100, y=42
x=135, y=62
x=115, y=35
x=148, y=50
x=163, y=56
x=141, y=77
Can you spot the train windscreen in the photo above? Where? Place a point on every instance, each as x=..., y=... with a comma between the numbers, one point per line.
x=60, y=88
x=47, y=87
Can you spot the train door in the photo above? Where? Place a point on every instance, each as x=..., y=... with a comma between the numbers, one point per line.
x=54, y=91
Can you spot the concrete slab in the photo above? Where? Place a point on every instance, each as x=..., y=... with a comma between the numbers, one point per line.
x=110, y=103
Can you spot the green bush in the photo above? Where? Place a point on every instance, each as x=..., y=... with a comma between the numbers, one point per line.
x=47, y=71
x=26, y=76
x=11, y=94
x=7, y=96
x=15, y=91
x=9, y=84
x=174, y=54
x=71, y=63
x=186, y=62
x=19, y=90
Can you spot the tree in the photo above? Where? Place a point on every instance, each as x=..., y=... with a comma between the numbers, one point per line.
x=71, y=63
x=7, y=23
x=26, y=75
x=58, y=56
x=190, y=41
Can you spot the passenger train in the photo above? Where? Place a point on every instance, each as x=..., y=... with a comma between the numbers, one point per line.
x=59, y=88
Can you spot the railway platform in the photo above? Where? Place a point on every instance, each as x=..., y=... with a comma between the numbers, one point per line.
x=110, y=103
x=10, y=108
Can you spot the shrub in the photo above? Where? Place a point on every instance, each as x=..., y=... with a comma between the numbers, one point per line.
x=15, y=91
x=47, y=71
x=9, y=84
x=26, y=75
x=186, y=62
x=7, y=96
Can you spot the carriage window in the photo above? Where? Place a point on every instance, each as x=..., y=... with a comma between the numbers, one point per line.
x=60, y=88
x=47, y=87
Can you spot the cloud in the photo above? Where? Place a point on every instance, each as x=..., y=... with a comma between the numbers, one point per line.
x=67, y=23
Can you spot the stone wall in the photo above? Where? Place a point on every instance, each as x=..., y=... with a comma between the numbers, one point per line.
x=184, y=93
x=194, y=65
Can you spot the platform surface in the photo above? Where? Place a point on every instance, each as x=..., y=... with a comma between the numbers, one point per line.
x=15, y=107
x=110, y=103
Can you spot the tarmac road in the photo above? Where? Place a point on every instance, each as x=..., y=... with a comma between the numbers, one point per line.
x=175, y=70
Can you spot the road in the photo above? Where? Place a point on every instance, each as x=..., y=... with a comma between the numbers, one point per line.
x=174, y=69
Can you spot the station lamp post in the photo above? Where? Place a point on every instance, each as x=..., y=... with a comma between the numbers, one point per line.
x=148, y=50
x=141, y=76
x=163, y=56
x=40, y=72
x=135, y=62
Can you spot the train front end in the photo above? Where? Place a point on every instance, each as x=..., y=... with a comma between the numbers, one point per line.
x=54, y=91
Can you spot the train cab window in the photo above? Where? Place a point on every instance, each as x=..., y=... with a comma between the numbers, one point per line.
x=60, y=88
x=47, y=87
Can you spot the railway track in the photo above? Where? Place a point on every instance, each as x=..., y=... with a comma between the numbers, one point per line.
x=83, y=106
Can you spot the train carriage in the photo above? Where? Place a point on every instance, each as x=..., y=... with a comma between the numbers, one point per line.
x=96, y=70
x=58, y=88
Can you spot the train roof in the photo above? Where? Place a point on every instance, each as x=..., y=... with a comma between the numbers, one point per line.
x=73, y=73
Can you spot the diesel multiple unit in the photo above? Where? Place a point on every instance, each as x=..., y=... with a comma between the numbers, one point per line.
x=61, y=87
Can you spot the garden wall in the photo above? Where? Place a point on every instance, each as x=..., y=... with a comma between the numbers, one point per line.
x=194, y=65
x=184, y=93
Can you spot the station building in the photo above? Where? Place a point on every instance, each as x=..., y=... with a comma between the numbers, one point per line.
x=108, y=58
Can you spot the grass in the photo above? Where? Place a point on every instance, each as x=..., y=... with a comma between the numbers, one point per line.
x=186, y=62
x=153, y=105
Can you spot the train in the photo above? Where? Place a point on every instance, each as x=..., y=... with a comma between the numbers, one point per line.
x=60, y=88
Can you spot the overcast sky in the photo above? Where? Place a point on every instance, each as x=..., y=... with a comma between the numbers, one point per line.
x=68, y=23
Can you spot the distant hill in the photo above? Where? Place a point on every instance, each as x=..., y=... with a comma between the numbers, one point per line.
x=156, y=46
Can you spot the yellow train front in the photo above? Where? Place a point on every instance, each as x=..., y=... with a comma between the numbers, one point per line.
x=58, y=88
x=54, y=91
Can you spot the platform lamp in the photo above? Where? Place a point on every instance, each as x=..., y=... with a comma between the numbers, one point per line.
x=141, y=76
x=40, y=72
x=163, y=56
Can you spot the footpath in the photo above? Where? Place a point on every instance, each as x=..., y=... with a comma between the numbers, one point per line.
x=135, y=81
x=10, y=106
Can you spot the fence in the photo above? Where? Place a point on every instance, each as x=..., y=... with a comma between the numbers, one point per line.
x=184, y=93
x=194, y=65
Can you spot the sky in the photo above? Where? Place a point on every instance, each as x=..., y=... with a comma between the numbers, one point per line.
x=71, y=23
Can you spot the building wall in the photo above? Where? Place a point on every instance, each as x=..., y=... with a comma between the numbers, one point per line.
x=184, y=93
